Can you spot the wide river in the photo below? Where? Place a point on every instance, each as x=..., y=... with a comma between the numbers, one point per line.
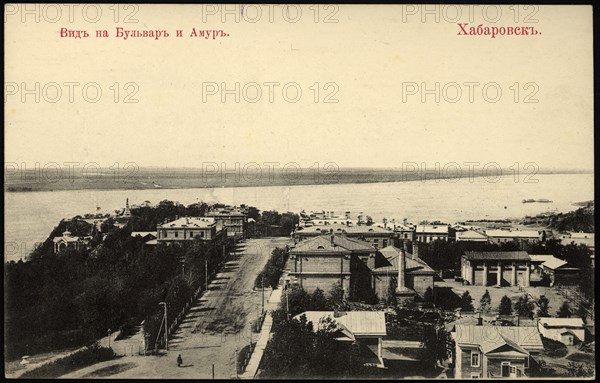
x=30, y=216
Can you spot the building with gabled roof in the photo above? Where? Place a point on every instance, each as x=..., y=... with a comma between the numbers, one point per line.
x=363, y=327
x=484, y=352
x=558, y=270
x=398, y=268
x=565, y=330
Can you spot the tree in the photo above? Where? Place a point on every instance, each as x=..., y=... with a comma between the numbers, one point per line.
x=524, y=306
x=318, y=302
x=467, y=301
x=544, y=305
x=565, y=310
x=505, y=307
x=485, y=302
x=336, y=295
x=428, y=296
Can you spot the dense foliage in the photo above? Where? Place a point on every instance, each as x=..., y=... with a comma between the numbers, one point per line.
x=74, y=297
x=581, y=219
x=271, y=273
x=86, y=357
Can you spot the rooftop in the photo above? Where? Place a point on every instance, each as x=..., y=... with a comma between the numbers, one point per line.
x=352, y=323
x=497, y=256
x=324, y=243
x=492, y=337
x=413, y=266
x=548, y=261
x=343, y=229
x=438, y=229
x=513, y=233
x=561, y=322
x=189, y=222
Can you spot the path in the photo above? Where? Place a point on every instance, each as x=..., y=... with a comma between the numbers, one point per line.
x=216, y=325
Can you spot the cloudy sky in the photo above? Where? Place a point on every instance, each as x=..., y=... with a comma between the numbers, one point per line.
x=374, y=61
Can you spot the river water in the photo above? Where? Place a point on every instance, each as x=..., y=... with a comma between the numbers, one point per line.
x=30, y=216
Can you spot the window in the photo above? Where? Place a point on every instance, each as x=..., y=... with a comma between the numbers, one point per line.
x=201, y=234
x=527, y=362
x=176, y=234
x=474, y=358
x=191, y=234
x=474, y=375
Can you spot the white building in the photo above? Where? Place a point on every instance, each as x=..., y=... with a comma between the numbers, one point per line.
x=569, y=331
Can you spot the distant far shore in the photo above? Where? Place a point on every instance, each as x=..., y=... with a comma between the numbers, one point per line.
x=190, y=178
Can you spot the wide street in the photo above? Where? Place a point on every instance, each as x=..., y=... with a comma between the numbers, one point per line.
x=216, y=325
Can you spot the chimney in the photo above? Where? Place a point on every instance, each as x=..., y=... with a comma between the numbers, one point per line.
x=401, y=286
x=415, y=252
x=405, y=245
x=404, y=221
x=517, y=317
x=479, y=319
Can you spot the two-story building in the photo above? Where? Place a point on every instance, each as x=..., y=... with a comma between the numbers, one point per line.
x=188, y=228
x=496, y=268
x=234, y=219
x=428, y=233
x=488, y=352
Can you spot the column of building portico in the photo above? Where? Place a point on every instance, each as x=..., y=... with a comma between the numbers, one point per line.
x=499, y=275
x=513, y=275
x=527, y=272
x=485, y=273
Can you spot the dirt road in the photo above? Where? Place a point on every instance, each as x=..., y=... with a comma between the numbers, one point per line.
x=216, y=325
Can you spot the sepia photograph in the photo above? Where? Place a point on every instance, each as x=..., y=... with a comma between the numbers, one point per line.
x=299, y=192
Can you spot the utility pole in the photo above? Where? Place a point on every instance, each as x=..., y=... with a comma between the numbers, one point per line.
x=166, y=326
x=206, y=273
x=109, y=338
x=263, y=294
x=287, y=301
x=236, y=363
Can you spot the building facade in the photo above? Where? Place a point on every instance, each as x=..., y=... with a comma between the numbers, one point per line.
x=569, y=331
x=496, y=268
x=488, y=352
x=188, y=228
x=234, y=219
x=429, y=233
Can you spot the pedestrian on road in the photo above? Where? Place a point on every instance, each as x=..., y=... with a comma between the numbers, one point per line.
x=179, y=361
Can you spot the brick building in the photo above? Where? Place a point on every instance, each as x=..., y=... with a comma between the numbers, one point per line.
x=416, y=277
x=234, y=219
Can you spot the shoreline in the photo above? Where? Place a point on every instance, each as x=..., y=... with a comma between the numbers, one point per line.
x=21, y=188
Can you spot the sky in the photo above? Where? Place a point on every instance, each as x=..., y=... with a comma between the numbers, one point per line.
x=367, y=79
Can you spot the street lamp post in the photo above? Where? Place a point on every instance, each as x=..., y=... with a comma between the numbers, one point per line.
x=109, y=332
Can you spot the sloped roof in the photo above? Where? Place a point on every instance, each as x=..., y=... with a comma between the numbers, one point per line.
x=413, y=266
x=497, y=256
x=548, y=261
x=527, y=338
x=142, y=233
x=562, y=322
x=439, y=229
x=501, y=345
x=513, y=233
x=340, y=229
x=352, y=323
x=321, y=243
x=470, y=234
x=189, y=222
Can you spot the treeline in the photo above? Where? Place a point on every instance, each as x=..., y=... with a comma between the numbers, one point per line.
x=271, y=273
x=270, y=223
x=72, y=298
x=581, y=219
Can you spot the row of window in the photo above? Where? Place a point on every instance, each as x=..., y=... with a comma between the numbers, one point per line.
x=191, y=234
